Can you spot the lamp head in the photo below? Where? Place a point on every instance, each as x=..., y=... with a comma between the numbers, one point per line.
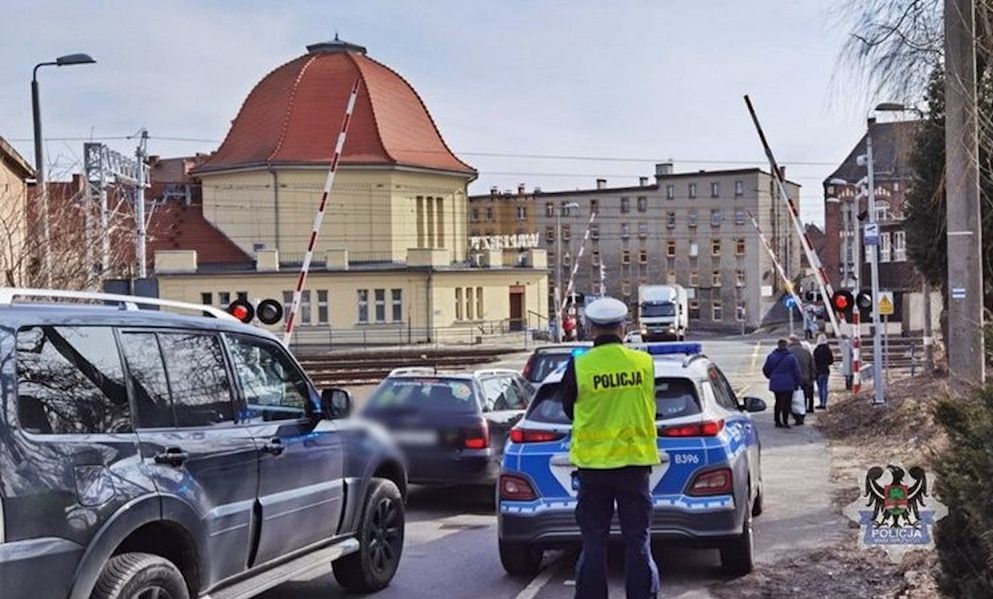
x=71, y=59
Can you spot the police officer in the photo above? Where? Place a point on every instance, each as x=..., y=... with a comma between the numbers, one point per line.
x=609, y=394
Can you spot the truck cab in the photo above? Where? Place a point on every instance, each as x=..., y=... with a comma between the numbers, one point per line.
x=663, y=312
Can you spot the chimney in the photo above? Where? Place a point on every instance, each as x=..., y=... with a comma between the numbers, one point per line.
x=520, y=189
x=662, y=169
x=537, y=190
x=643, y=181
x=782, y=173
x=601, y=183
x=494, y=191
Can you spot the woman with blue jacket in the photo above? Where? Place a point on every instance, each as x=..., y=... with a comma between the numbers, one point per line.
x=783, y=372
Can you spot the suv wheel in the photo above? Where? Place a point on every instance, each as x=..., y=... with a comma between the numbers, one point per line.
x=737, y=554
x=380, y=536
x=520, y=559
x=140, y=576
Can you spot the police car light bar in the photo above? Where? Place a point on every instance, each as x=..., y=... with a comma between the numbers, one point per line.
x=665, y=349
x=578, y=351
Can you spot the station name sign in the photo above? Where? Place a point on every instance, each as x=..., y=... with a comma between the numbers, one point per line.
x=520, y=241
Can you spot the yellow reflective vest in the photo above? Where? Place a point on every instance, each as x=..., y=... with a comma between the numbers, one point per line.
x=613, y=422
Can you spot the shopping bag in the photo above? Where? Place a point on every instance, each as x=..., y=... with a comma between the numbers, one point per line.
x=799, y=404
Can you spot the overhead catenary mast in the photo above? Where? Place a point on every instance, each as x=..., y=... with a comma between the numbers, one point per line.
x=319, y=217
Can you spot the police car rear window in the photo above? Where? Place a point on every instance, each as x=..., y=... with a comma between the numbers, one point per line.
x=423, y=394
x=674, y=398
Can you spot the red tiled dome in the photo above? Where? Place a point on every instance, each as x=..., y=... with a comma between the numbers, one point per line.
x=293, y=115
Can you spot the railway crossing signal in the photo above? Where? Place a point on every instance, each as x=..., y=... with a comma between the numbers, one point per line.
x=269, y=311
x=843, y=302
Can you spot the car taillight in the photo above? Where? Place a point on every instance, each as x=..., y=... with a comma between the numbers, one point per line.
x=524, y=435
x=713, y=482
x=710, y=428
x=527, y=367
x=478, y=438
x=516, y=488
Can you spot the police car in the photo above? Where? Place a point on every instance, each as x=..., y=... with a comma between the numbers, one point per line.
x=706, y=489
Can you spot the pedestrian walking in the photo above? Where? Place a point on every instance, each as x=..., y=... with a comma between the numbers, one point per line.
x=823, y=359
x=609, y=394
x=783, y=372
x=807, y=374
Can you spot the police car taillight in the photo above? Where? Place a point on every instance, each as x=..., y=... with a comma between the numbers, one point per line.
x=516, y=488
x=524, y=435
x=712, y=482
x=709, y=428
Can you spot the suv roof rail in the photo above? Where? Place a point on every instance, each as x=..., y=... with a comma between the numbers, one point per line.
x=489, y=371
x=413, y=370
x=126, y=302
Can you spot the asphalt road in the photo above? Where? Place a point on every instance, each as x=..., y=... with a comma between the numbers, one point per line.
x=451, y=548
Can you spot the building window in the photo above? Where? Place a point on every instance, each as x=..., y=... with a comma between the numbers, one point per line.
x=549, y=209
x=717, y=310
x=594, y=232
x=522, y=213
x=694, y=278
x=207, y=299
x=715, y=217
x=566, y=233
x=489, y=214
x=595, y=258
x=739, y=247
x=643, y=230
x=363, y=305
x=566, y=259
x=625, y=205
x=692, y=218
x=420, y=221
x=715, y=278
x=305, y=306
x=739, y=216
x=243, y=295
x=396, y=295
x=715, y=189
x=692, y=190
x=594, y=207
x=287, y=301
x=670, y=278
x=550, y=234
x=899, y=246
x=715, y=248
x=625, y=256
x=479, y=303
x=596, y=288
x=694, y=309
x=739, y=278
x=670, y=192
x=694, y=249
x=670, y=219
x=625, y=230
x=670, y=249
x=739, y=188
x=566, y=210
x=458, y=303
x=380, y=297
x=741, y=312
x=885, y=250
x=642, y=204
x=625, y=288
x=643, y=256
x=475, y=214
x=470, y=305
x=224, y=298
x=322, y=306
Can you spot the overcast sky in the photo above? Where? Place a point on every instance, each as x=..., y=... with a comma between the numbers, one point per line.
x=644, y=80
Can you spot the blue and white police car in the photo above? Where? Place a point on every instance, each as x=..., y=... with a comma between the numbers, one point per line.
x=706, y=489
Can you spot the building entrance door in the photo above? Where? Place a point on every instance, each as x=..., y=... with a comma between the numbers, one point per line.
x=517, y=319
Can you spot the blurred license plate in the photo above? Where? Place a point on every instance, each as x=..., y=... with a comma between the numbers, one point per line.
x=416, y=437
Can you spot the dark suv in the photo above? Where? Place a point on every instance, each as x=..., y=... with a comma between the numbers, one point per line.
x=148, y=454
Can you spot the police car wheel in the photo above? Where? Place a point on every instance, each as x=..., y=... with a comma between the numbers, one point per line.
x=520, y=559
x=737, y=556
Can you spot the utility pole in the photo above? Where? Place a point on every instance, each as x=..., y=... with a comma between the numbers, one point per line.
x=139, y=205
x=879, y=380
x=966, y=354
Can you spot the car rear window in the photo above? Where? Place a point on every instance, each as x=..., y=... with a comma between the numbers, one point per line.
x=546, y=363
x=423, y=394
x=674, y=398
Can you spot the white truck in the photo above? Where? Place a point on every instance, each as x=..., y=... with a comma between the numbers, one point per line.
x=663, y=312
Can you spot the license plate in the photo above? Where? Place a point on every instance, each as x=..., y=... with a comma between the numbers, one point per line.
x=415, y=437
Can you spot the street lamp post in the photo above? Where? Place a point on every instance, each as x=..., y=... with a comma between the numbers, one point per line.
x=39, y=154
x=558, y=267
x=879, y=381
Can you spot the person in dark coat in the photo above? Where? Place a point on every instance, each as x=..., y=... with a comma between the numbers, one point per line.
x=823, y=359
x=807, y=371
x=785, y=377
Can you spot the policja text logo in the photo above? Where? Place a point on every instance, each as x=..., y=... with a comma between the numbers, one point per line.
x=612, y=380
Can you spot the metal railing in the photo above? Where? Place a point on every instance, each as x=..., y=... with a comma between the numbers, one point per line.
x=508, y=332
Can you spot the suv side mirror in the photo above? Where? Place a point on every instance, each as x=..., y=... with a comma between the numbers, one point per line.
x=754, y=404
x=335, y=403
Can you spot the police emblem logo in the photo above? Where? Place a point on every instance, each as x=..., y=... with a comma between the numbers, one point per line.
x=896, y=510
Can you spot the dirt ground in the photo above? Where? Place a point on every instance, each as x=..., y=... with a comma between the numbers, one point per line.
x=860, y=436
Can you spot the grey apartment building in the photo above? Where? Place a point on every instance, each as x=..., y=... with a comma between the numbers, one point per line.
x=690, y=229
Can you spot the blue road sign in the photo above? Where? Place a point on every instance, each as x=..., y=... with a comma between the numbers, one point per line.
x=789, y=301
